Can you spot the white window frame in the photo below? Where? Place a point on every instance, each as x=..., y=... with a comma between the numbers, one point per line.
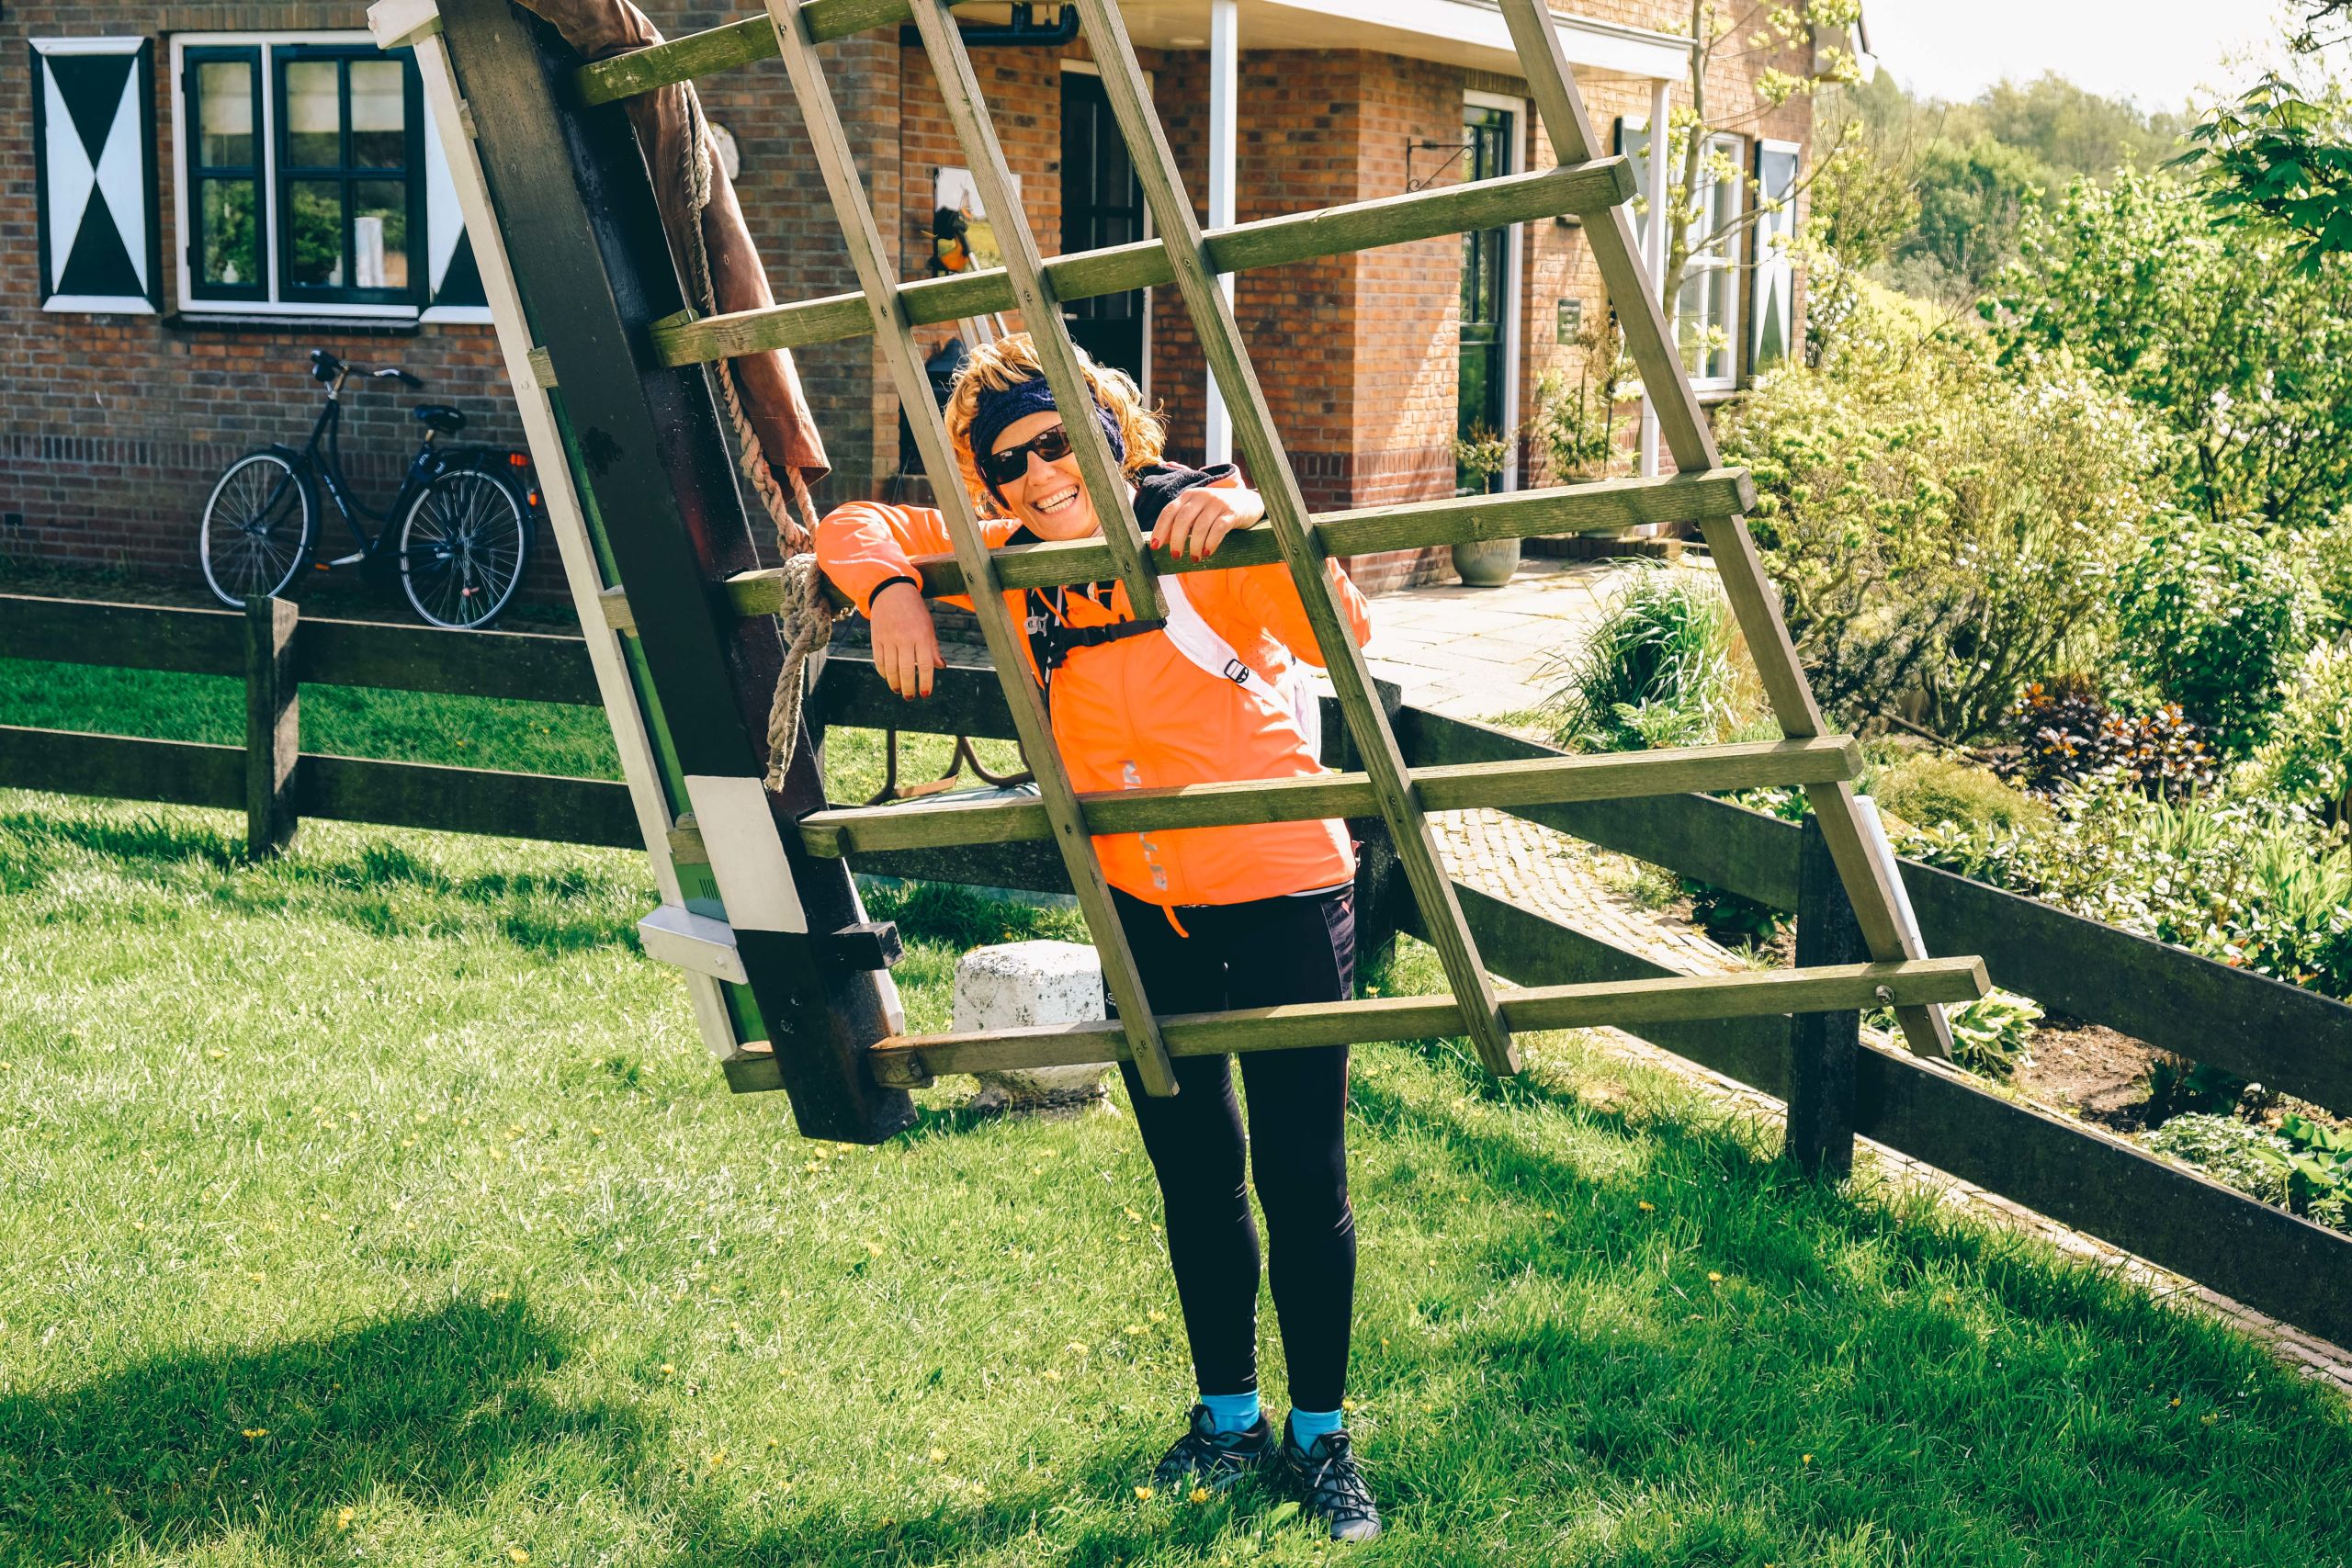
x=440, y=193
x=1515, y=260
x=1768, y=227
x=1724, y=256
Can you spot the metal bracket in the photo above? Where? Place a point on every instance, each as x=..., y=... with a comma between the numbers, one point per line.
x=679, y=936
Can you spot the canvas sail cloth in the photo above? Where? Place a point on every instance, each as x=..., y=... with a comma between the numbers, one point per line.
x=666, y=124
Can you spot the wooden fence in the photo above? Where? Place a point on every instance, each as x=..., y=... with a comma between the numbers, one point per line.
x=2256, y=1028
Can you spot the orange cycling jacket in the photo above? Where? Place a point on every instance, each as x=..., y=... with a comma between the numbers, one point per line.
x=1136, y=714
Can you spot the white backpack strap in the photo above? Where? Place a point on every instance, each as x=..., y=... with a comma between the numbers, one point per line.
x=1292, y=697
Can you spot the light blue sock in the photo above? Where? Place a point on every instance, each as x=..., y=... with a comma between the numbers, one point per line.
x=1232, y=1411
x=1306, y=1426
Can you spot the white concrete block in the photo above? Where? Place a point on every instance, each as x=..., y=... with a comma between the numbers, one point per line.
x=1021, y=983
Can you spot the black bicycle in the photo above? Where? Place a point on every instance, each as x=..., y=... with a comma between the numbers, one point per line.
x=464, y=513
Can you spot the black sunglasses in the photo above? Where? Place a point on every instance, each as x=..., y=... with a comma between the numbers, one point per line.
x=1001, y=468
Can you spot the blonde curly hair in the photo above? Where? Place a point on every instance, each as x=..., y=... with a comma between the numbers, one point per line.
x=1011, y=360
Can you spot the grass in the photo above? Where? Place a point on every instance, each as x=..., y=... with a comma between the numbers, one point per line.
x=380, y=1205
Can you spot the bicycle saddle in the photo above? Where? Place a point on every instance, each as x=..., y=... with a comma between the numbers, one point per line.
x=438, y=416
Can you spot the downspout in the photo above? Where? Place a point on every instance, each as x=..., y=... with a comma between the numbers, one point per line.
x=1225, y=81
x=1654, y=256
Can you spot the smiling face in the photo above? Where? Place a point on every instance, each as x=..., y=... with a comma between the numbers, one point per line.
x=1049, y=498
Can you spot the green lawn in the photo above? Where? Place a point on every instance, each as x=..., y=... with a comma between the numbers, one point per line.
x=381, y=1205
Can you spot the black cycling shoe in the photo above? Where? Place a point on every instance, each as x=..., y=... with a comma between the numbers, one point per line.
x=1329, y=1486
x=1206, y=1456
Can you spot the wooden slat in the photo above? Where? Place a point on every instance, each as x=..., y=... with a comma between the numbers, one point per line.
x=1503, y=785
x=916, y=1059
x=1219, y=337
x=718, y=48
x=121, y=636
x=122, y=767
x=467, y=800
x=523, y=666
x=877, y=276
x=1032, y=294
x=1649, y=339
x=1143, y=264
x=1567, y=509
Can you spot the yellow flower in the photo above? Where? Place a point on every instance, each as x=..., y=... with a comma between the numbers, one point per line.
x=1200, y=1493
x=717, y=1458
x=1134, y=1217
x=668, y=1370
x=1647, y=1205
x=939, y=1456
x=1052, y=1376
x=257, y=1433
x=1713, y=1278
x=514, y=1553
x=1808, y=1459
x=1142, y=1491
x=1076, y=1347
x=343, y=1520
x=216, y=1053
x=1156, y=1315
x=595, y=1132
x=874, y=1248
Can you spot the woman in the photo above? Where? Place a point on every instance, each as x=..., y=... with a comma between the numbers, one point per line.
x=1218, y=918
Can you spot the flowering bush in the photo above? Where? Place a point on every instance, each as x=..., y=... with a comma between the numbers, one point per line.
x=1940, y=528
x=2071, y=737
x=2308, y=760
x=2213, y=614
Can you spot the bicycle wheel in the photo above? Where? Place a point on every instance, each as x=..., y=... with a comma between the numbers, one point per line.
x=260, y=525
x=464, y=545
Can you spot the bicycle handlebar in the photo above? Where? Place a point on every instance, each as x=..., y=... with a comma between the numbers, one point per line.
x=328, y=368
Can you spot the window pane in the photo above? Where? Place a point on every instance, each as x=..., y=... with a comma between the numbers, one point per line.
x=380, y=234
x=224, y=112
x=379, y=114
x=232, y=249
x=313, y=115
x=316, y=220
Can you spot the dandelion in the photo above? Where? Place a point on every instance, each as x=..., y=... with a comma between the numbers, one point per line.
x=255, y=1434
x=1200, y=1494
x=717, y=1458
x=514, y=1553
x=1647, y=1205
x=1134, y=1218
x=1808, y=1459
x=1143, y=1491
x=1076, y=1347
x=874, y=1248
x=939, y=1456
x=773, y=1441
x=1156, y=1315
x=668, y=1370
x=408, y=1143
x=595, y=1132
x=254, y=1275
x=1052, y=1376
x=343, y=1520
x=1713, y=1278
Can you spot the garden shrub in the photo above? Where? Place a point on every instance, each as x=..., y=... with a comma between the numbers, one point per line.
x=1941, y=527
x=1925, y=789
x=1657, y=670
x=2245, y=357
x=2308, y=760
x=1989, y=1035
x=2213, y=614
x=2230, y=1151
x=2068, y=736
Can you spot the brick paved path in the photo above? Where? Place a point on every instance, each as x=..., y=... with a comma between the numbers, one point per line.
x=1482, y=654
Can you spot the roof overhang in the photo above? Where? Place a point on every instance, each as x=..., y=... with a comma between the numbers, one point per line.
x=1469, y=33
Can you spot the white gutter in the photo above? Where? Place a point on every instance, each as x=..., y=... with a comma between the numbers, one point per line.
x=1225, y=86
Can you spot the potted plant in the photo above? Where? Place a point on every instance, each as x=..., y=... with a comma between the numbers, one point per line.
x=1479, y=459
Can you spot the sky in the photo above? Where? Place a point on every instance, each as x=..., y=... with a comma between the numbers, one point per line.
x=2156, y=52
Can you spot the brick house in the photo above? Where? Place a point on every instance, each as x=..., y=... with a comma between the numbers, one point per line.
x=200, y=191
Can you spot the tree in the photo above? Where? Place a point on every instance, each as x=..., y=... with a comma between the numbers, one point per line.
x=1973, y=198
x=2280, y=155
x=1724, y=35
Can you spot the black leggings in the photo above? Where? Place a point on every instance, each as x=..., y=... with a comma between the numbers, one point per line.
x=1240, y=955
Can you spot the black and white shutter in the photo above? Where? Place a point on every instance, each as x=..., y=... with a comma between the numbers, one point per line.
x=94, y=151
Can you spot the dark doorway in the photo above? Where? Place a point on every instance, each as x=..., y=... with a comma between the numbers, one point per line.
x=1479, y=415
x=1102, y=205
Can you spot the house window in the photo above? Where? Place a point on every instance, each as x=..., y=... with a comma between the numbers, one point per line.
x=1706, y=306
x=311, y=183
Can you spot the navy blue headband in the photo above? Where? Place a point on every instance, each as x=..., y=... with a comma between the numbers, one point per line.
x=999, y=408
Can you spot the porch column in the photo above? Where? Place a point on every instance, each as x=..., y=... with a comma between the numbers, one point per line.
x=1225, y=82
x=1654, y=252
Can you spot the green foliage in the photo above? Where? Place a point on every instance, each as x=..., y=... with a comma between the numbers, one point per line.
x=1925, y=790
x=2251, y=884
x=2213, y=613
x=1576, y=420
x=2276, y=157
x=1657, y=670
x=2179, y=1087
x=2307, y=760
x=1973, y=197
x=2236, y=1154
x=1864, y=204
x=1940, y=526
x=1990, y=1035
x=2245, y=356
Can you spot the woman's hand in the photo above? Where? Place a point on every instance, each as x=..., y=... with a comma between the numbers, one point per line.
x=906, y=644
x=1196, y=522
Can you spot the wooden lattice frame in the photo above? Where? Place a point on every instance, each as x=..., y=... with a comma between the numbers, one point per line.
x=756, y=896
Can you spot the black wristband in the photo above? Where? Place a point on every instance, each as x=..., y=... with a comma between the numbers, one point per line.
x=914, y=582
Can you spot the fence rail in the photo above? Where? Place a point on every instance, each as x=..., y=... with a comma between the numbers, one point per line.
x=2258, y=1028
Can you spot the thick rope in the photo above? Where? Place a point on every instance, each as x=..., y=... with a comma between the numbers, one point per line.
x=807, y=620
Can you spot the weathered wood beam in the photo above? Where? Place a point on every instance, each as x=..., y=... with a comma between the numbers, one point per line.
x=723, y=48
x=1577, y=188
x=860, y=830
x=912, y=1061
x=1567, y=509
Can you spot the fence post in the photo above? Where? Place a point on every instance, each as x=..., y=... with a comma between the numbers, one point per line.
x=1821, y=1066
x=273, y=727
